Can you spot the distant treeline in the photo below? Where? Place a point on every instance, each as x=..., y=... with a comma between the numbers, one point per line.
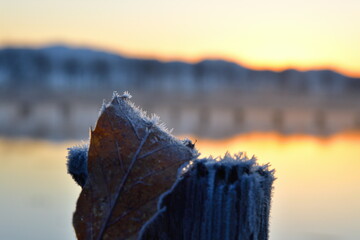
x=61, y=68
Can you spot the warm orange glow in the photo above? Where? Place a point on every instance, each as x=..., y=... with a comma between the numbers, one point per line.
x=274, y=35
x=312, y=159
x=316, y=195
x=317, y=188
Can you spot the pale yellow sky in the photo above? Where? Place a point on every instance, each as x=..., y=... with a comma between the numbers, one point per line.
x=275, y=34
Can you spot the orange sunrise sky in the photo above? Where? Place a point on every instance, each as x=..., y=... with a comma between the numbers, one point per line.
x=277, y=34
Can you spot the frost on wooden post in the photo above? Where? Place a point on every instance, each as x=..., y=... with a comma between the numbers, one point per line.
x=224, y=199
x=140, y=182
x=131, y=161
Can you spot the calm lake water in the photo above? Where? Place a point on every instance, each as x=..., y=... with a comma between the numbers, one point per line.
x=316, y=194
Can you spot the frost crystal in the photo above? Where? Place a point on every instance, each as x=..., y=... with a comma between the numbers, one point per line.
x=103, y=107
x=126, y=95
x=135, y=114
x=115, y=95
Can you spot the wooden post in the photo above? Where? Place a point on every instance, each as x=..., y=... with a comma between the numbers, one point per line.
x=227, y=199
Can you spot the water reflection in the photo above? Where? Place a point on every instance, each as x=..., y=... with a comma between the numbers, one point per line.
x=317, y=193
x=37, y=196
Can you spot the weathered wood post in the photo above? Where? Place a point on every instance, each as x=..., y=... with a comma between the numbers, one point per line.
x=224, y=199
x=139, y=182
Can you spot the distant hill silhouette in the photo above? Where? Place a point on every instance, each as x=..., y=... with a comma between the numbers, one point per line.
x=62, y=67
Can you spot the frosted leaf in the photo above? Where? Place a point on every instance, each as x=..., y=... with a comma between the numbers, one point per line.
x=131, y=162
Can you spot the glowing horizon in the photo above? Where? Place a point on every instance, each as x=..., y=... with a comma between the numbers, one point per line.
x=277, y=35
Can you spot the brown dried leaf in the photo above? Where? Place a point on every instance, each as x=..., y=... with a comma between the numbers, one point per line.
x=131, y=162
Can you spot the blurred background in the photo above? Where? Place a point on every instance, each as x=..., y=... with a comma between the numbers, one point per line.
x=277, y=79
